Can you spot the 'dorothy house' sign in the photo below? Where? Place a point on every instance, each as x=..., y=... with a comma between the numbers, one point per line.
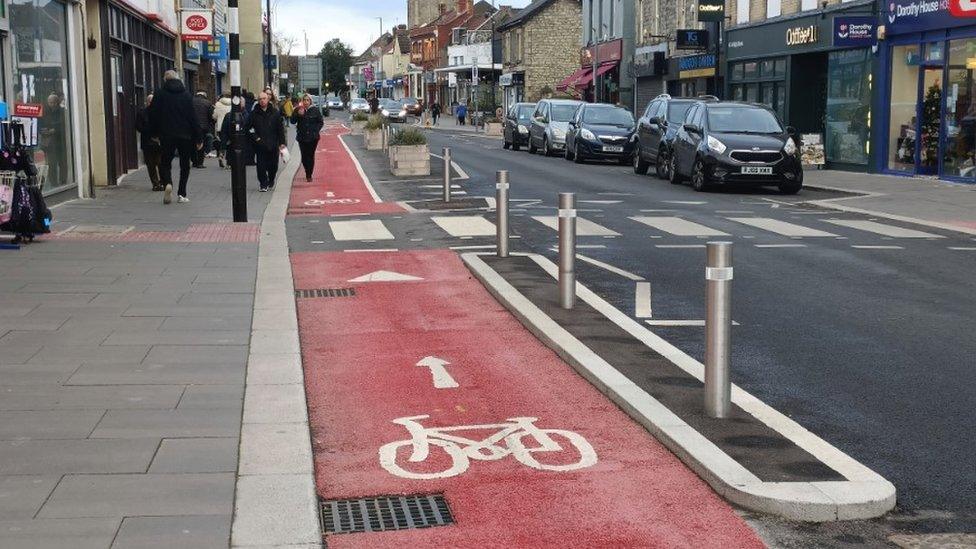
x=798, y=36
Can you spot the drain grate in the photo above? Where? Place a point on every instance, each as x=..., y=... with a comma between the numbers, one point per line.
x=376, y=514
x=325, y=292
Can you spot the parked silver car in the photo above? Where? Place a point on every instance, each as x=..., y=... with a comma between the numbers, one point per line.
x=358, y=104
x=549, y=124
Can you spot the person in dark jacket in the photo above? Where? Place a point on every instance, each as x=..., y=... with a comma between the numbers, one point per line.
x=308, y=123
x=203, y=110
x=374, y=105
x=266, y=129
x=435, y=112
x=172, y=118
x=149, y=143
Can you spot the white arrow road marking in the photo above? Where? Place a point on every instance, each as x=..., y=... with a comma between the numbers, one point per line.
x=442, y=379
x=642, y=300
x=384, y=276
x=329, y=194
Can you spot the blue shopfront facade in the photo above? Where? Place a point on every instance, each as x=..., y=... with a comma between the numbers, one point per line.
x=926, y=92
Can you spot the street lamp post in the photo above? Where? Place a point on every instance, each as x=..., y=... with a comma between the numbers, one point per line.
x=267, y=60
x=238, y=175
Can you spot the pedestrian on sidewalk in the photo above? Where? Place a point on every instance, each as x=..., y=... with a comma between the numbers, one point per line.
x=205, y=119
x=435, y=112
x=267, y=132
x=288, y=109
x=173, y=119
x=149, y=143
x=462, y=112
x=308, y=123
x=374, y=104
x=221, y=110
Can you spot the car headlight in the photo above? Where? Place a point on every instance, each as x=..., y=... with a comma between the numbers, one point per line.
x=403, y=112
x=558, y=133
x=587, y=134
x=385, y=112
x=522, y=129
x=715, y=145
x=790, y=146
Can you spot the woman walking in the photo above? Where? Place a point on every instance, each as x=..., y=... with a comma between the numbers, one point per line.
x=308, y=123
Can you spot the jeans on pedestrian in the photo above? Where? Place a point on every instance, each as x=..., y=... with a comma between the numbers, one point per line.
x=267, y=166
x=152, y=159
x=171, y=147
x=308, y=156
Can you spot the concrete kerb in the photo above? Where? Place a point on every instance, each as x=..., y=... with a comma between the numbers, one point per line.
x=275, y=504
x=864, y=495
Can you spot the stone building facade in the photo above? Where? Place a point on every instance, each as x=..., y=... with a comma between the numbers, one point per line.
x=422, y=12
x=542, y=45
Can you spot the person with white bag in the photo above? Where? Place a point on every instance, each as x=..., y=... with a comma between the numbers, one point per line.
x=266, y=129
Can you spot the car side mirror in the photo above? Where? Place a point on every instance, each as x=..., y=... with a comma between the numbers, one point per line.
x=654, y=121
x=571, y=124
x=691, y=128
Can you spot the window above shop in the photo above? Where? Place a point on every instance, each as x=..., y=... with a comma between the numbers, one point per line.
x=765, y=69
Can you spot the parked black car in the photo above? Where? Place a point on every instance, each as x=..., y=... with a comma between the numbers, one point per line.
x=600, y=132
x=656, y=130
x=515, y=131
x=730, y=142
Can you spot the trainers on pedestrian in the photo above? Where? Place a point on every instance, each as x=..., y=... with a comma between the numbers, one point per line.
x=182, y=199
x=263, y=190
x=168, y=193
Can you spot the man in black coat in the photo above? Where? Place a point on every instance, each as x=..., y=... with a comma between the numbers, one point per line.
x=266, y=130
x=174, y=121
x=149, y=143
x=203, y=110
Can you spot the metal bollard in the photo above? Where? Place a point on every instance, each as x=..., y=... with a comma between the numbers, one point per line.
x=447, y=174
x=718, y=328
x=567, y=250
x=501, y=205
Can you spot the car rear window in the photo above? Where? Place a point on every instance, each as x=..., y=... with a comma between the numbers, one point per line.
x=677, y=111
x=525, y=112
x=742, y=120
x=613, y=116
x=562, y=113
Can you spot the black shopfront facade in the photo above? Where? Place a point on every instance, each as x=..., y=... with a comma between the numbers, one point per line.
x=792, y=65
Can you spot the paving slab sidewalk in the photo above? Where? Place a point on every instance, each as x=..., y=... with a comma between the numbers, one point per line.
x=124, y=339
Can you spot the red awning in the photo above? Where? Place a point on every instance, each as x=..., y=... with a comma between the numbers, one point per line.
x=573, y=78
x=588, y=78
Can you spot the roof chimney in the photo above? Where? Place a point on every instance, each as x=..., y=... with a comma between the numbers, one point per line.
x=463, y=6
x=441, y=8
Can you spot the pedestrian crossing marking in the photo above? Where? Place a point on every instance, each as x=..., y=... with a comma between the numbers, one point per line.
x=465, y=225
x=584, y=227
x=678, y=226
x=368, y=229
x=882, y=229
x=779, y=227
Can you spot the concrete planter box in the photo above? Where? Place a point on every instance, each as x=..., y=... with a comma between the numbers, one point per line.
x=357, y=128
x=493, y=129
x=373, y=140
x=409, y=160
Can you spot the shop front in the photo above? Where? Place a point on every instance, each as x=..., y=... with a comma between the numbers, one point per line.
x=692, y=75
x=928, y=93
x=598, y=80
x=815, y=71
x=650, y=70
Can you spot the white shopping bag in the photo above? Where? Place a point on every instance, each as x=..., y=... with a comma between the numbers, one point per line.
x=285, y=155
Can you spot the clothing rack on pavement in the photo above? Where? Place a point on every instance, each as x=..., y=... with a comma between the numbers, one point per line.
x=23, y=211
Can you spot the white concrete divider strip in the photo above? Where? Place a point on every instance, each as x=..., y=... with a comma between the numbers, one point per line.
x=465, y=225
x=864, y=494
x=359, y=169
x=881, y=228
x=678, y=226
x=369, y=229
x=275, y=504
x=584, y=227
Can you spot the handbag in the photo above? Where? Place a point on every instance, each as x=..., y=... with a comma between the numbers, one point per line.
x=285, y=155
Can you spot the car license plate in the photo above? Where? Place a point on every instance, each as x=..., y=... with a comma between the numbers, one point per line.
x=613, y=149
x=757, y=170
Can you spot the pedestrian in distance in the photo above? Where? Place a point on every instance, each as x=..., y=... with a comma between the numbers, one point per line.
x=173, y=118
x=287, y=109
x=53, y=138
x=221, y=109
x=149, y=143
x=267, y=131
x=374, y=104
x=462, y=113
x=205, y=119
x=308, y=123
x=435, y=112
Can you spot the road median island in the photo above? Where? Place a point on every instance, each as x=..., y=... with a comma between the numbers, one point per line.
x=759, y=458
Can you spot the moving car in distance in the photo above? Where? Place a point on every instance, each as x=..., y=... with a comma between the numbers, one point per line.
x=414, y=108
x=656, y=130
x=393, y=110
x=722, y=143
x=549, y=124
x=515, y=131
x=335, y=103
x=599, y=131
x=358, y=104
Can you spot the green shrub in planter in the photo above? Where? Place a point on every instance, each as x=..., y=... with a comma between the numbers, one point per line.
x=408, y=136
x=374, y=122
x=359, y=117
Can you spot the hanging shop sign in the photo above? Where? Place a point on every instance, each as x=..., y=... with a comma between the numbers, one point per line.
x=196, y=25
x=711, y=10
x=801, y=36
x=962, y=8
x=216, y=49
x=691, y=39
x=855, y=31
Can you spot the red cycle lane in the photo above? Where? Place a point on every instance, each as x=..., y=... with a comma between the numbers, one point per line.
x=550, y=461
x=337, y=187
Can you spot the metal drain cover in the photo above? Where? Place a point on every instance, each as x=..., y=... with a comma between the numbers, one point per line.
x=379, y=513
x=326, y=292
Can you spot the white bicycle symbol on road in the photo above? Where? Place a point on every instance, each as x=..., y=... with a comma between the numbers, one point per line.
x=324, y=201
x=519, y=438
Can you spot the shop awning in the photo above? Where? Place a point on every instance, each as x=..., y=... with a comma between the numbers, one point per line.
x=600, y=71
x=573, y=78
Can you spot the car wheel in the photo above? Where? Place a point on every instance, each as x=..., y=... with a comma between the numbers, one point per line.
x=532, y=147
x=568, y=154
x=577, y=157
x=640, y=165
x=546, y=151
x=515, y=145
x=506, y=144
x=663, y=165
x=791, y=187
x=699, y=179
x=673, y=174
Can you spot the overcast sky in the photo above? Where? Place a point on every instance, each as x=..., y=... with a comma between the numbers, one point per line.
x=353, y=21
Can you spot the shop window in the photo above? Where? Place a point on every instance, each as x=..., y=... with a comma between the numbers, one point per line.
x=779, y=68
x=766, y=68
x=959, y=157
x=934, y=52
x=902, y=107
x=750, y=70
x=768, y=94
x=752, y=93
x=737, y=72
x=848, y=116
x=737, y=93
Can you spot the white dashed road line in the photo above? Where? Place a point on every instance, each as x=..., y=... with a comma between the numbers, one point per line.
x=678, y=226
x=882, y=229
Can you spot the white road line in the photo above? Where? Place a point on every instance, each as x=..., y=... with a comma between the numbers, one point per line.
x=600, y=201
x=608, y=267
x=685, y=202
x=584, y=227
x=882, y=229
x=590, y=246
x=780, y=245
x=678, y=226
x=465, y=225
x=679, y=246
x=318, y=242
x=483, y=247
x=779, y=227
x=730, y=212
x=657, y=211
x=681, y=322
x=642, y=300
x=369, y=229
x=362, y=174
x=958, y=248
x=372, y=250
x=878, y=247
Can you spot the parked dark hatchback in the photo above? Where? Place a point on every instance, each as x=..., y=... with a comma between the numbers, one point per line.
x=518, y=118
x=656, y=130
x=600, y=132
x=728, y=142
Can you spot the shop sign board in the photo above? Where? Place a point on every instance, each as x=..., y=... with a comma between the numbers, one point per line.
x=691, y=39
x=604, y=52
x=855, y=31
x=905, y=16
x=196, y=25
x=962, y=8
x=799, y=36
x=696, y=66
x=215, y=49
x=29, y=110
x=712, y=11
